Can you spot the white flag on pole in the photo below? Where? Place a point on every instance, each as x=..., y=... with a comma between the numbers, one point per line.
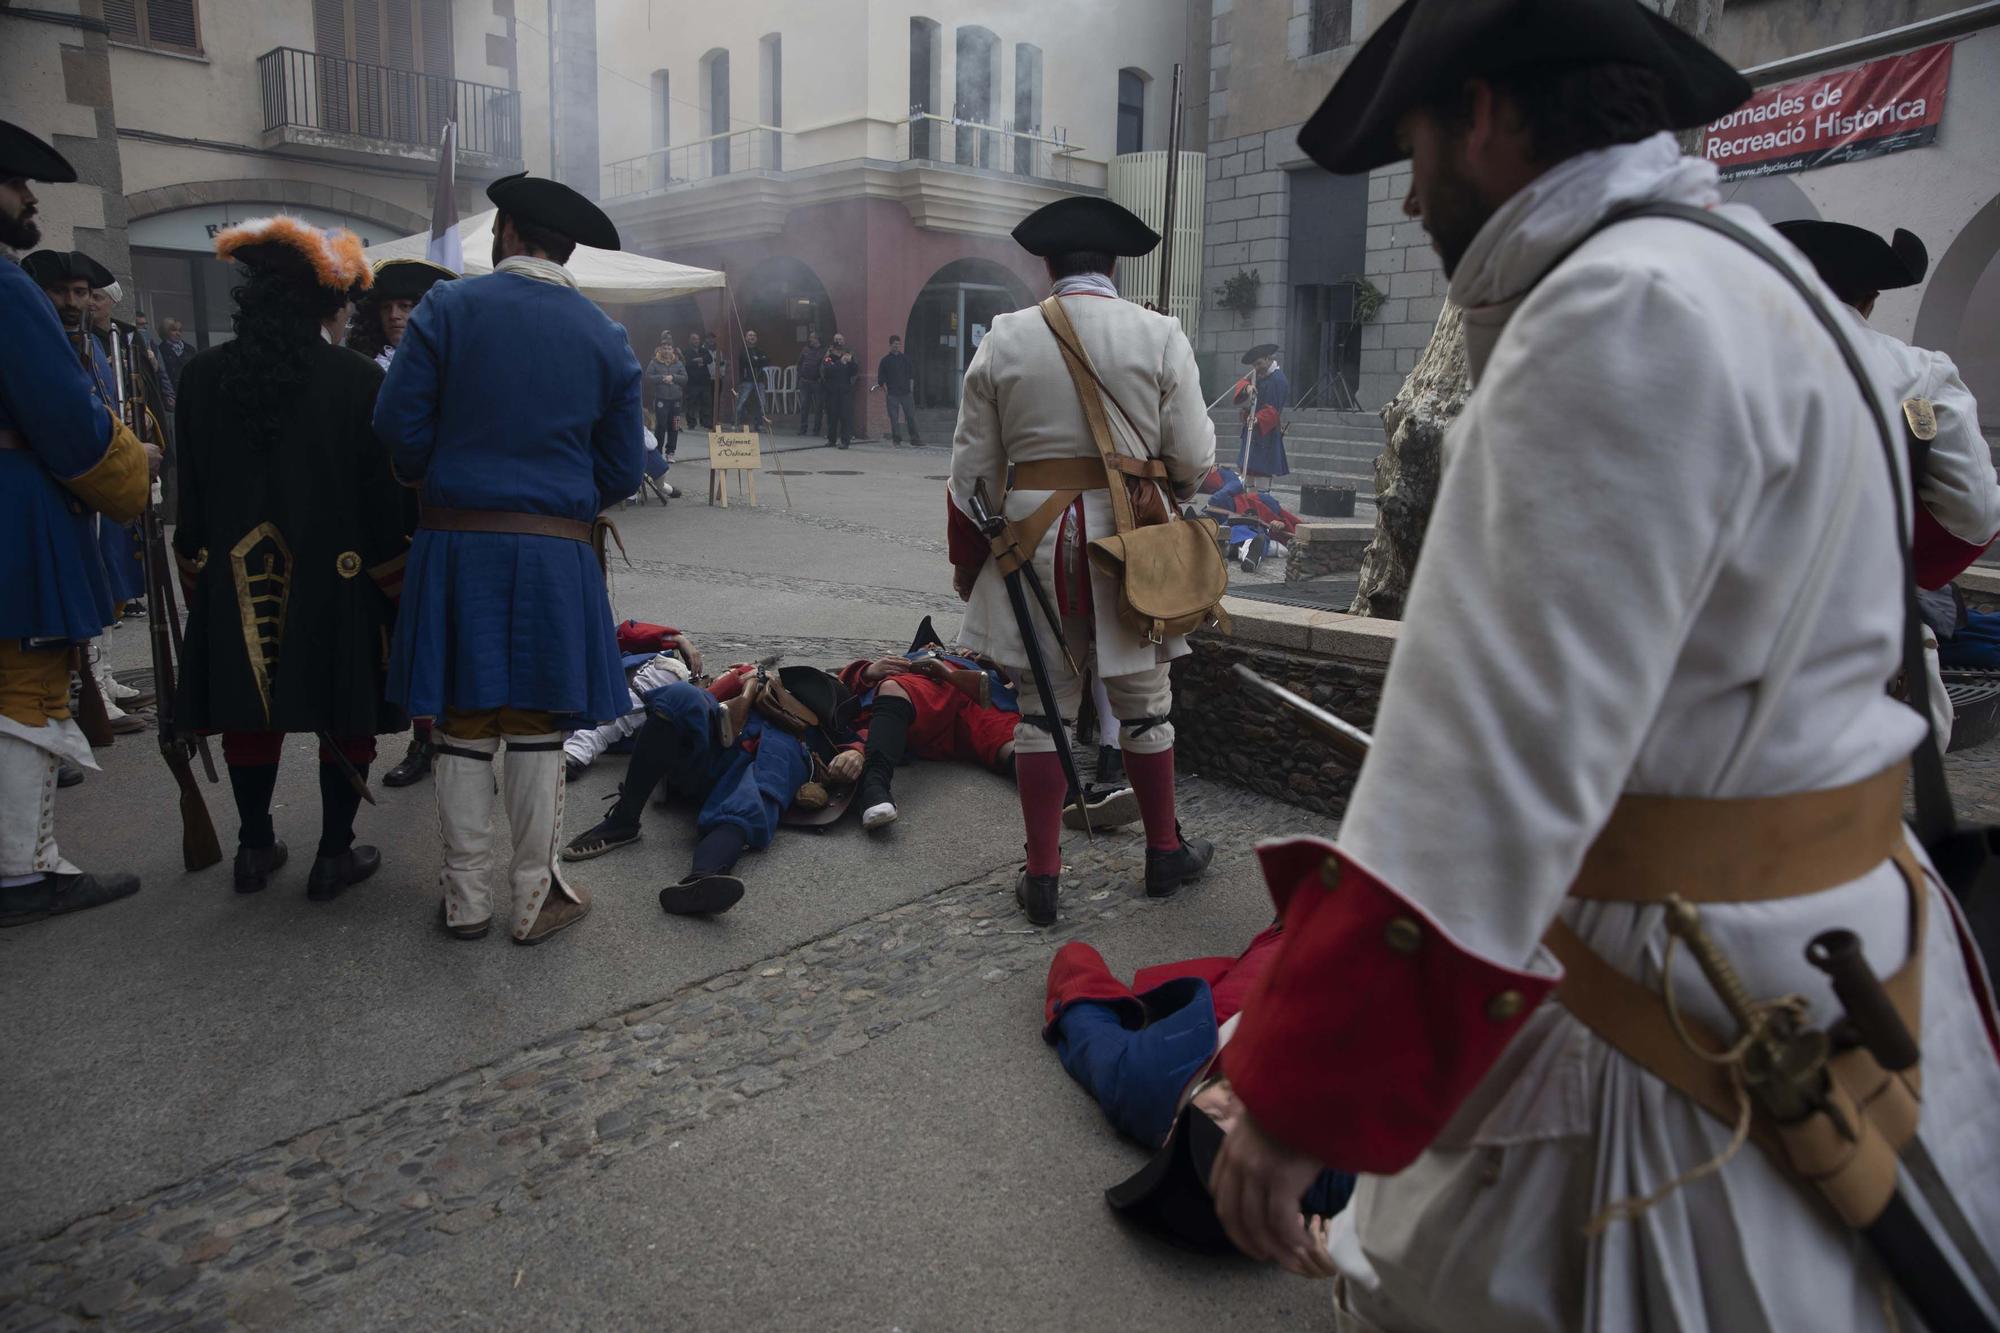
x=445, y=247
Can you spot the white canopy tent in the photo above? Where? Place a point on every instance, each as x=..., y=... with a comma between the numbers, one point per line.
x=611, y=277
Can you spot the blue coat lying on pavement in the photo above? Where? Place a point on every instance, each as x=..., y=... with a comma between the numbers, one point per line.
x=513, y=394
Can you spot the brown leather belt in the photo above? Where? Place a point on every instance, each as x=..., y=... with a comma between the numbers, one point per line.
x=1060, y=474
x=1747, y=850
x=507, y=521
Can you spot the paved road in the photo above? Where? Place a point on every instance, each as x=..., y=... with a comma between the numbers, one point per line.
x=829, y=1106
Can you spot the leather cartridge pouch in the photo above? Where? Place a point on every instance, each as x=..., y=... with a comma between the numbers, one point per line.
x=1795, y=845
x=783, y=707
x=1168, y=570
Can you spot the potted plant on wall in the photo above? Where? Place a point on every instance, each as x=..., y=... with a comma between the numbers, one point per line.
x=1239, y=292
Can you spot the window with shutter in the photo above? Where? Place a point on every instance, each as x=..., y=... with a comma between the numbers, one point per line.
x=171, y=23
x=122, y=16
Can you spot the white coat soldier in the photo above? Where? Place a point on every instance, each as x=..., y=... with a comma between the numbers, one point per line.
x=1959, y=513
x=1623, y=603
x=1020, y=409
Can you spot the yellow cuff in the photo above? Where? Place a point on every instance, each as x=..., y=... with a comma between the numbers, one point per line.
x=120, y=484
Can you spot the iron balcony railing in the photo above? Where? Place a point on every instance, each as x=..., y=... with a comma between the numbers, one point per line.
x=761, y=148
x=921, y=138
x=310, y=91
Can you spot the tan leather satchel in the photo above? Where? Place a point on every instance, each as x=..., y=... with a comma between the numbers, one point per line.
x=1168, y=570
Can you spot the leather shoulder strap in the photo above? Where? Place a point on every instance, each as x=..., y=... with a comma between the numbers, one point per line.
x=1085, y=379
x=1935, y=818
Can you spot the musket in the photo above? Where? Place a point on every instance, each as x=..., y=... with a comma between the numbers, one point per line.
x=995, y=529
x=1345, y=739
x=200, y=848
x=331, y=754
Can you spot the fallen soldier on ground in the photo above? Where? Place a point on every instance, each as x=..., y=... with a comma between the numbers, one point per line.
x=754, y=748
x=1147, y=1054
x=655, y=655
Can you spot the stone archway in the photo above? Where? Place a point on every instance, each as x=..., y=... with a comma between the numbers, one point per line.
x=784, y=300
x=1776, y=198
x=1960, y=313
x=275, y=190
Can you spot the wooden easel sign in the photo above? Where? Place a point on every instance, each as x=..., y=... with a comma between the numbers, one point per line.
x=733, y=451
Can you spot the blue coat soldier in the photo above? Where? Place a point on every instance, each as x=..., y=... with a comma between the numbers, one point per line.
x=63, y=460
x=515, y=404
x=1262, y=396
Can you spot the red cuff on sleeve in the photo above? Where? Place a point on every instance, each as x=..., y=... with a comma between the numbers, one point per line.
x=1372, y=1025
x=1267, y=420
x=965, y=544
x=637, y=636
x=1940, y=557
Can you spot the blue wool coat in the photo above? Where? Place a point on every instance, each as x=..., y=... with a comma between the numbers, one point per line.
x=1263, y=452
x=512, y=394
x=52, y=583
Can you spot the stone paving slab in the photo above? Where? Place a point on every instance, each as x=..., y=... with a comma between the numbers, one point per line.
x=256, y=1237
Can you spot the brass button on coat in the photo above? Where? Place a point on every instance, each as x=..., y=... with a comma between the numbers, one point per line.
x=1329, y=872
x=1404, y=935
x=1504, y=1006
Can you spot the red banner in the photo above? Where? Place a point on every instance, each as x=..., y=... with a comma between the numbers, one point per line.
x=1881, y=107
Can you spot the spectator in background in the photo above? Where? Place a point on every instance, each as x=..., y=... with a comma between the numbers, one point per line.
x=666, y=383
x=700, y=361
x=837, y=377
x=810, y=361
x=897, y=380
x=174, y=353
x=750, y=364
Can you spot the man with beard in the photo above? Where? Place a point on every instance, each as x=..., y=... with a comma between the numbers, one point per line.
x=290, y=544
x=375, y=329
x=1662, y=469
x=63, y=460
x=514, y=402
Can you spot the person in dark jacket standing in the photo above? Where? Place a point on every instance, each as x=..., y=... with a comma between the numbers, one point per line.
x=837, y=377
x=290, y=543
x=700, y=361
x=897, y=379
x=810, y=361
x=750, y=363
x=666, y=381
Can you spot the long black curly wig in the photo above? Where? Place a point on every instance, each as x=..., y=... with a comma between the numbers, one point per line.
x=279, y=310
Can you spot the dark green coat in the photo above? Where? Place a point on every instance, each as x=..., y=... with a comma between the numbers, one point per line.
x=288, y=624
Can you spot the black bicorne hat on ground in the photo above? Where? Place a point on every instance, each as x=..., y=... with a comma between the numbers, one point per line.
x=1427, y=47
x=1259, y=352
x=407, y=279
x=1853, y=258
x=49, y=267
x=1085, y=224
x=25, y=157
x=551, y=204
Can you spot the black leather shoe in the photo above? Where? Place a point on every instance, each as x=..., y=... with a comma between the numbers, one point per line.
x=1167, y=871
x=68, y=774
x=334, y=875
x=1037, y=896
x=256, y=865
x=55, y=895
x=702, y=895
x=415, y=764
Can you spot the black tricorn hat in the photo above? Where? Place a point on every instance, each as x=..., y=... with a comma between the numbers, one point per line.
x=1169, y=1196
x=1854, y=258
x=1085, y=223
x=926, y=636
x=407, y=279
x=49, y=267
x=1259, y=352
x=1427, y=47
x=25, y=157
x=551, y=204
